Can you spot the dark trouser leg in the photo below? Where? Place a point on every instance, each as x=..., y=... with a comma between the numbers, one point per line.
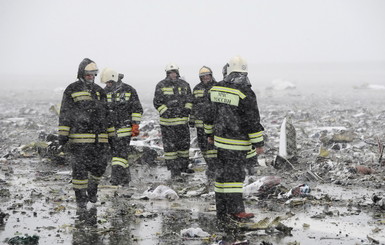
x=79, y=162
x=229, y=182
x=96, y=170
x=251, y=162
x=120, y=173
x=209, y=153
x=170, y=150
x=182, y=144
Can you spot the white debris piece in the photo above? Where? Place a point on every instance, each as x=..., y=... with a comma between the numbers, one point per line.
x=194, y=232
x=261, y=185
x=161, y=192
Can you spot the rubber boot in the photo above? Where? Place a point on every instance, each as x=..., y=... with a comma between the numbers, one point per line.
x=81, y=198
x=183, y=163
x=126, y=176
x=116, y=174
x=92, y=191
x=92, y=218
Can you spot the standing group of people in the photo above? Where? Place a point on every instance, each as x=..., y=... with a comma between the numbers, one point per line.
x=94, y=121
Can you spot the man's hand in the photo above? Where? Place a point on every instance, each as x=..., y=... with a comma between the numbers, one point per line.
x=210, y=140
x=259, y=150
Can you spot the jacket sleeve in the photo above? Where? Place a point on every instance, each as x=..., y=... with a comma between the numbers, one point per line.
x=189, y=100
x=159, y=100
x=251, y=120
x=65, y=116
x=137, y=109
x=208, y=117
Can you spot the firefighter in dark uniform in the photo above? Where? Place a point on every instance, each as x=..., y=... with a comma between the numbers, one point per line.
x=201, y=109
x=83, y=125
x=235, y=129
x=173, y=100
x=125, y=114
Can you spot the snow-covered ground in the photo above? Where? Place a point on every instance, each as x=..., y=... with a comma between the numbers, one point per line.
x=343, y=207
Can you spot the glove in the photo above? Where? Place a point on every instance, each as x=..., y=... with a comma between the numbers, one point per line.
x=135, y=130
x=62, y=139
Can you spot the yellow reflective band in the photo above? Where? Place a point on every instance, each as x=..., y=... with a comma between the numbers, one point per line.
x=123, y=132
x=79, y=184
x=235, y=187
x=168, y=90
x=228, y=90
x=93, y=177
x=188, y=105
x=82, y=138
x=81, y=96
x=183, y=153
x=109, y=97
x=208, y=128
x=173, y=121
x=256, y=140
x=103, y=138
x=79, y=187
x=199, y=93
x=111, y=131
x=119, y=161
x=127, y=96
x=161, y=109
x=256, y=135
x=251, y=153
x=231, y=141
x=224, y=98
x=211, y=153
x=198, y=123
x=98, y=95
x=232, y=147
x=64, y=130
x=228, y=190
x=80, y=181
x=170, y=155
x=136, y=117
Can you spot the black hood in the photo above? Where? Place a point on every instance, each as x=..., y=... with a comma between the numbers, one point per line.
x=82, y=66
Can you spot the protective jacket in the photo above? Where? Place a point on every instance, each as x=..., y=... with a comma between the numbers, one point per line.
x=124, y=107
x=173, y=100
x=235, y=122
x=83, y=112
x=201, y=103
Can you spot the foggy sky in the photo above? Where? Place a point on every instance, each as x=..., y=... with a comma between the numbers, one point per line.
x=49, y=38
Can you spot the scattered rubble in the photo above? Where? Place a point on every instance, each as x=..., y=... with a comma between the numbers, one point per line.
x=334, y=177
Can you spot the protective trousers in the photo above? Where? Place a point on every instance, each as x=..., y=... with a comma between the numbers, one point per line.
x=176, y=145
x=229, y=182
x=89, y=162
x=120, y=172
x=209, y=153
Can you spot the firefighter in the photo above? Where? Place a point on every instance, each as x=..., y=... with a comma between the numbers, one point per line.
x=83, y=126
x=173, y=100
x=201, y=109
x=125, y=114
x=235, y=129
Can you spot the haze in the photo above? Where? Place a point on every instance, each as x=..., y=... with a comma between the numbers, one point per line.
x=43, y=41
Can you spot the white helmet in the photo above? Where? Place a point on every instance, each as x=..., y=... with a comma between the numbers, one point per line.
x=237, y=64
x=108, y=75
x=172, y=67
